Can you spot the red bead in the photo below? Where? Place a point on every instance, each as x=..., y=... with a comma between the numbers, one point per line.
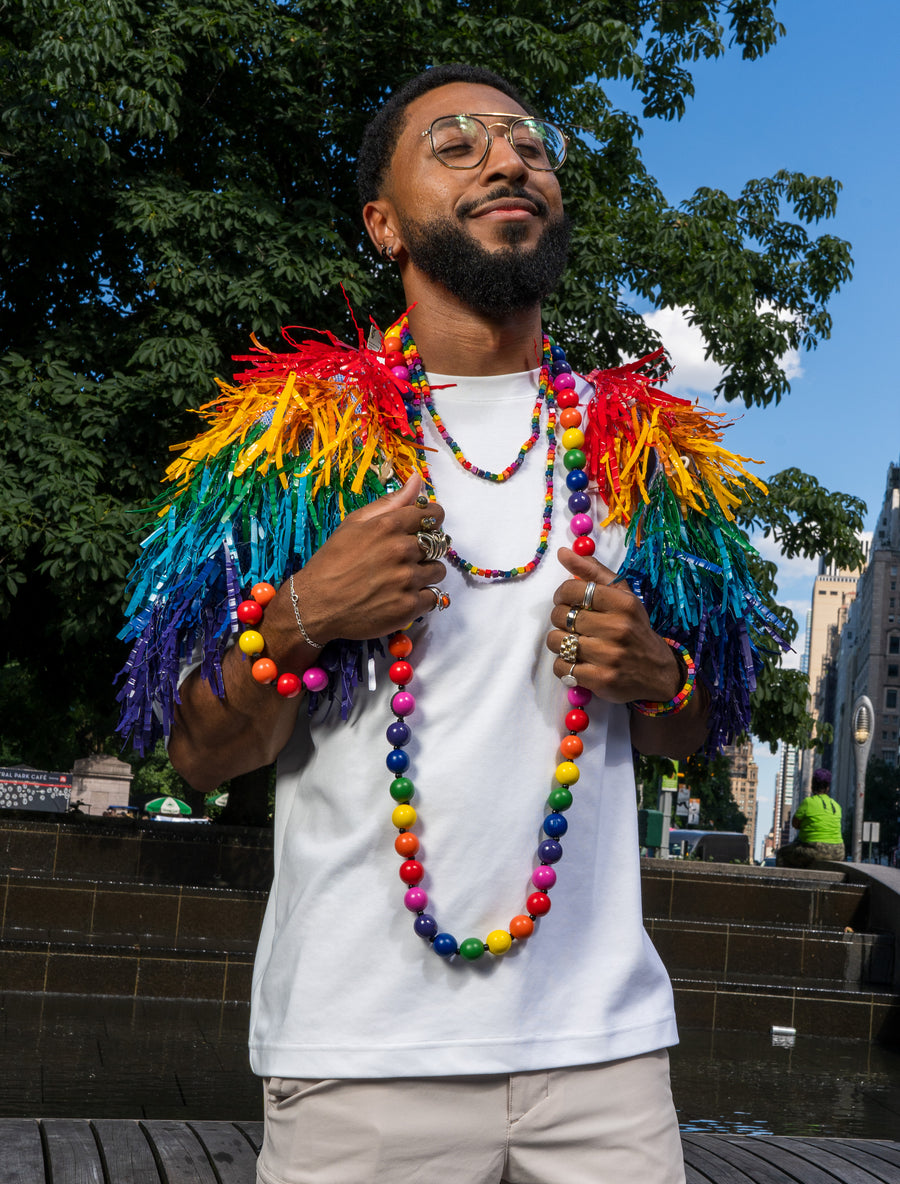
x=262, y=593
x=538, y=903
x=521, y=927
x=264, y=670
x=249, y=612
x=583, y=545
x=411, y=872
x=566, y=399
x=288, y=685
x=406, y=844
x=577, y=720
x=399, y=645
x=570, y=417
x=571, y=746
x=394, y=358
x=401, y=673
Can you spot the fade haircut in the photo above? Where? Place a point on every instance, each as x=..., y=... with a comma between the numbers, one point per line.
x=383, y=130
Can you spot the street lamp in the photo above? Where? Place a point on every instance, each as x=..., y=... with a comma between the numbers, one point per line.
x=861, y=727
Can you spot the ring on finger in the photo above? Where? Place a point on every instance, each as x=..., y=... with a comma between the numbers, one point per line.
x=568, y=649
x=571, y=617
x=429, y=523
x=569, y=680
x=589, y=591
x=441, y=599
x=422, y=500
x=433, y=544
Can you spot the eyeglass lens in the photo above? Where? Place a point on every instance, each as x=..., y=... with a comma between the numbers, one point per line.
x=460, y=142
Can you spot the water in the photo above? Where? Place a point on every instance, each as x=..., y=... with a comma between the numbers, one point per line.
x=80, y=1057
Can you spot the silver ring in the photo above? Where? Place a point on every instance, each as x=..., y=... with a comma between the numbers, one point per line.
x=433, y=544
x=569, y=680
x=568, y=649
x=441, y=599
x=589, y=594
x=571, y=616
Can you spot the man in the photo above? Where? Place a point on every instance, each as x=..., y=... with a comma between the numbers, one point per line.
x=390, y=1051
x=817, y=821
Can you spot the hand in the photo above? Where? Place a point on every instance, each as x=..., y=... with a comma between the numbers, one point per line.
x=369, y=578
x=620, y=658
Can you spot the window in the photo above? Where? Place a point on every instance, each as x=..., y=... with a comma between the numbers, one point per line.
x=890, y=699
x=894, y=643
x=893, y=671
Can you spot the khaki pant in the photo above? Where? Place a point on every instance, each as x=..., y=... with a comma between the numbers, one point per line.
x=592, y=1124
x=799, y=854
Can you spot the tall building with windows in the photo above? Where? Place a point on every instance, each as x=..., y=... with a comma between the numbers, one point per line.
x=868, y=658
x=744, y=775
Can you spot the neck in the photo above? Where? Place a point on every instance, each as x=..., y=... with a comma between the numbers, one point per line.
x=452, y=339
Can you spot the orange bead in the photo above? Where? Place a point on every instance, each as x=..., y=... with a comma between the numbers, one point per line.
x=571, y=746
x=406, y=844
x=570, y=417
x=262, y=593
x=400, y=646
x=521, y=927
x=264, y=670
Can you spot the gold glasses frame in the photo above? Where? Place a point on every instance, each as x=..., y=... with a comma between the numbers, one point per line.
x=498, y=116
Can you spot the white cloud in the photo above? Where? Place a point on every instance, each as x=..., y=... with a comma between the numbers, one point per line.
x=693, y=373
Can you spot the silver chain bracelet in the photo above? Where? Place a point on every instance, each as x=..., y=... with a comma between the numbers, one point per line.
x=295, y=601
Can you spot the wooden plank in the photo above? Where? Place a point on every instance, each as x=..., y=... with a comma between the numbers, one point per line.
x=125, y=1152
x=824, y=1168
x=878, y=1169
x=881, y=1148
x=700, y=1152
x=755, y=1170
x=254, y=1132
x=232, y=1156
x=22, y=1159
x=72, y=1155
x=179, y=1152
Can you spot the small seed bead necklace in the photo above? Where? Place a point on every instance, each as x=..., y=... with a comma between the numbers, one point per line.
x=402, y=788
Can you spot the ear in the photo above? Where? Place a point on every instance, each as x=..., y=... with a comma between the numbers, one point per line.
x=381, y=222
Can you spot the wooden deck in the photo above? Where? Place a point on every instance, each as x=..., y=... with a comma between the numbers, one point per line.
x=125, y=1151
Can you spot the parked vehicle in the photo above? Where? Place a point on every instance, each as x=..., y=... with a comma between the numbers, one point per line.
x=719, y=846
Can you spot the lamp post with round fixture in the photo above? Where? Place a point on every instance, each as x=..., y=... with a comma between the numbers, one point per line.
x=861, y=726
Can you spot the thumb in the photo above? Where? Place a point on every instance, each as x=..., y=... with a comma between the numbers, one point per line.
x=400, y=498
x=585, y=567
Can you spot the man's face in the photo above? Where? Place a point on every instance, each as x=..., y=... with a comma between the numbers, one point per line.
x=494, y=235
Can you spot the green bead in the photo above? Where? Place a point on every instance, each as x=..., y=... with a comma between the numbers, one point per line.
x=402, y=789
x=560, y=798
x=574, y=459
x=472, y=948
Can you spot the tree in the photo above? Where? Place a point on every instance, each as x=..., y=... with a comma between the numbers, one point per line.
x=175, y=177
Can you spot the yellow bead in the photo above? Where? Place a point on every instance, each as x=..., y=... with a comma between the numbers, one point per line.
x=567, y=773
x=572, y=438
x=251, y=642
x=498, y=941
x=403, y=817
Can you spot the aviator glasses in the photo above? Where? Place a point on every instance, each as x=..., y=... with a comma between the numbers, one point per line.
x=463, y=141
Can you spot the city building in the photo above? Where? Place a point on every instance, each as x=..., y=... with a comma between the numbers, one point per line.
x=744, y=774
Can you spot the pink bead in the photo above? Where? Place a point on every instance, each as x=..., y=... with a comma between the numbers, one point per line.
x=564, y=382
x=543, y=877
x=401, y=372
x=579, y=696
x=315, y=679
x=415, y=899
x=403, y=703
x=581, y=524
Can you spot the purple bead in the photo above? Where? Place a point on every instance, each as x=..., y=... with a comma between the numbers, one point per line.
x=563, y=382
x=561, y=368
x=549, y=851
x=543, y=877
x=579, y=502
x=403, y=703
x=401, y=372
x=398, y=733
x=425, y=926
x=582, y=524
x=415, y=899
x=579, y=696
x=314, y=679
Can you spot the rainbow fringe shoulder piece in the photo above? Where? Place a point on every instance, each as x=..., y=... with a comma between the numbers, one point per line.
x=295, y=444
x=662, y=471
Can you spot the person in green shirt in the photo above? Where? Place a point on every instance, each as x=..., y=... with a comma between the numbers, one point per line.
x=817, y=821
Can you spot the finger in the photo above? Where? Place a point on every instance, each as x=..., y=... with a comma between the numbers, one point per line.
x=401, y=498
x=585, y=567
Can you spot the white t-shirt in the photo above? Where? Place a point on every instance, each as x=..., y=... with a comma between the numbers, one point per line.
x=342, y=986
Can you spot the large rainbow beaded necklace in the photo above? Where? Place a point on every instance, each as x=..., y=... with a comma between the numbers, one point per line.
x=557, y=388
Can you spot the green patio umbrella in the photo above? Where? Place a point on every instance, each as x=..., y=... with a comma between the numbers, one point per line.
x=167, y=805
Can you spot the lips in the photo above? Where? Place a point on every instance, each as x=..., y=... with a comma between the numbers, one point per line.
x=508, y=205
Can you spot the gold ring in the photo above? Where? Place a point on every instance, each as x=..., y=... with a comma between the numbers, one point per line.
x=568, y=649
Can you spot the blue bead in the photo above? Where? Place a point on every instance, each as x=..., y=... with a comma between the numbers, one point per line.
x=579, y=502
x=576, y=479
x=555, y=825
x=397, y=761
x=557, y=353
x=445, y=945
x=425, y=926
x=549, y=851
x=398, y=733
x=561, y=368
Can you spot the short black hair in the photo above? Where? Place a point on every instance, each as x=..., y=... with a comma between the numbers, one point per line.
x=383, y=130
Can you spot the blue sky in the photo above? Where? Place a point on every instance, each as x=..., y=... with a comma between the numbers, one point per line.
x=824, y=101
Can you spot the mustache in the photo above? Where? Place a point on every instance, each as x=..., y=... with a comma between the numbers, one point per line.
x=497, y=194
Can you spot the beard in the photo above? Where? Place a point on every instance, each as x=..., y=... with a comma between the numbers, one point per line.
x=492, y=283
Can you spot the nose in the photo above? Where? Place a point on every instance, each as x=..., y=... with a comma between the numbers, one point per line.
x=502, y=160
